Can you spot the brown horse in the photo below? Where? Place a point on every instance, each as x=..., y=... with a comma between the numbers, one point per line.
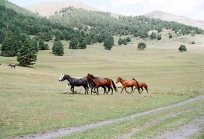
x=102, y=82
x=128, y=83
x=141, y=85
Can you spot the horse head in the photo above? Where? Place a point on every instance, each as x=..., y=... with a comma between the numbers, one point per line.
x=118, y=79
x=90, y=76
x=62, y=77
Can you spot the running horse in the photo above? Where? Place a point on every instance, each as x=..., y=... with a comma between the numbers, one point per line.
x=128, y=83
x=141, y=85
x=102, y=82
x=12, y=66
x=79, y=81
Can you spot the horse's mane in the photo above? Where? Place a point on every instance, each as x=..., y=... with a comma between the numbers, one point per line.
x=92, y=76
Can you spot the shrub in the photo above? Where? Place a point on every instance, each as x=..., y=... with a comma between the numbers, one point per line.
x=170, y=36
x=182, y=48
x=141, y=46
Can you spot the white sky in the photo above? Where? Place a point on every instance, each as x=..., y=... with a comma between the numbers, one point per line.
x=193, y=9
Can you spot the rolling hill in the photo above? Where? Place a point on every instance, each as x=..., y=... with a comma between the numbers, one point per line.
x=49, y=8
x=172, y=17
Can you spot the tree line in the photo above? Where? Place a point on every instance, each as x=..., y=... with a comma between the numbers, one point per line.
x=79, y=27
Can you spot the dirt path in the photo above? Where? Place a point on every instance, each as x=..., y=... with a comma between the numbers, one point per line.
x=177, y=134
x=185, y=131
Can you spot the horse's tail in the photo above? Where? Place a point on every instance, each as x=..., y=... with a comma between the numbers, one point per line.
x=114, y=86
x=147, y=88
x=138, y=87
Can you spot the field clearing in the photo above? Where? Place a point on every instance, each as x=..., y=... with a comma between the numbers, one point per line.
x=32, y=99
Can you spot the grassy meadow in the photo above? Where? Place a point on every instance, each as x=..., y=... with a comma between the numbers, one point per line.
x=32, y=99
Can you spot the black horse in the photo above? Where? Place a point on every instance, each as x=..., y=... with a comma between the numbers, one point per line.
x=75, y=82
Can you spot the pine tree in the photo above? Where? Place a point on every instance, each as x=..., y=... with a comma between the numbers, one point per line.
x=82, y=43
x=58, y=48
x=26, y=54
x=108, y=43
x=73, y=44
x=7, y=49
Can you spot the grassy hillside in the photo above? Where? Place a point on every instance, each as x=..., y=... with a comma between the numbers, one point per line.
x=31, y=99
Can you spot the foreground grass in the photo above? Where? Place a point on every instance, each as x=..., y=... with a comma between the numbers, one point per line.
x=145, y=126
x=31, y=99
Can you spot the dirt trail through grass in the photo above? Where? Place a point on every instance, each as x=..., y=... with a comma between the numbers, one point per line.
x=182, y=131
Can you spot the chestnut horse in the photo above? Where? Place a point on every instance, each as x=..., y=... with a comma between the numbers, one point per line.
x=128, y=83
x=102, y=82
x=141, y=85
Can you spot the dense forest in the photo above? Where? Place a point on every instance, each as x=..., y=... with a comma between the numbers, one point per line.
x=21, y=30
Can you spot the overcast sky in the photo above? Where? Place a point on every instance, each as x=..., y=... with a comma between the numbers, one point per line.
x=190, y=8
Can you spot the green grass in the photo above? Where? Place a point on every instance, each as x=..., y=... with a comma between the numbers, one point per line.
x=145, y=126
x=31, y=99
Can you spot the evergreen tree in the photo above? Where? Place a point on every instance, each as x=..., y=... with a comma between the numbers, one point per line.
x=120, y=41
x=42, y=45
x=26, y=54
x=125, y=41
x=7, y=49
x=2, y=35
x=73, y=44
x=82, y=43
x=34, y=44
x=108, y=43
x=153, y=35
x=58, y=48
x=128, y=39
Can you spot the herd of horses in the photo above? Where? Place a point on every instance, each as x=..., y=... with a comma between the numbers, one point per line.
x=92, y=82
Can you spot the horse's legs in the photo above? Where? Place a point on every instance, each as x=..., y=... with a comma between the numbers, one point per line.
x=126, y=90
x=131, y=89
x=108, y=90
x=112, y=91
x=121, y=90
x=72, y=89
x=80, y=89
x=142, y=89
x=104, y=88
x=85, y=88
x=66, y=89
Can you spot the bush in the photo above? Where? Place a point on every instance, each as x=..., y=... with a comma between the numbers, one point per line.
x=141, y=46
x=159, y=37
x=192, y=42
x=182, y=48
x=170, y=36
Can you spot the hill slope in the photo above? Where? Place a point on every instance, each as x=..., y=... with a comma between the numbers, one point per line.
x=172, y=17
x=49, y=8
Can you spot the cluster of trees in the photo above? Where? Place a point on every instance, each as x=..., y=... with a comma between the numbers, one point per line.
x=124, y=41
x=155, y=36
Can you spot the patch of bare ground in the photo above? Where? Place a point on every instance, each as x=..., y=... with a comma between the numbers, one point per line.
x=181, y=133
x=184, y=131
